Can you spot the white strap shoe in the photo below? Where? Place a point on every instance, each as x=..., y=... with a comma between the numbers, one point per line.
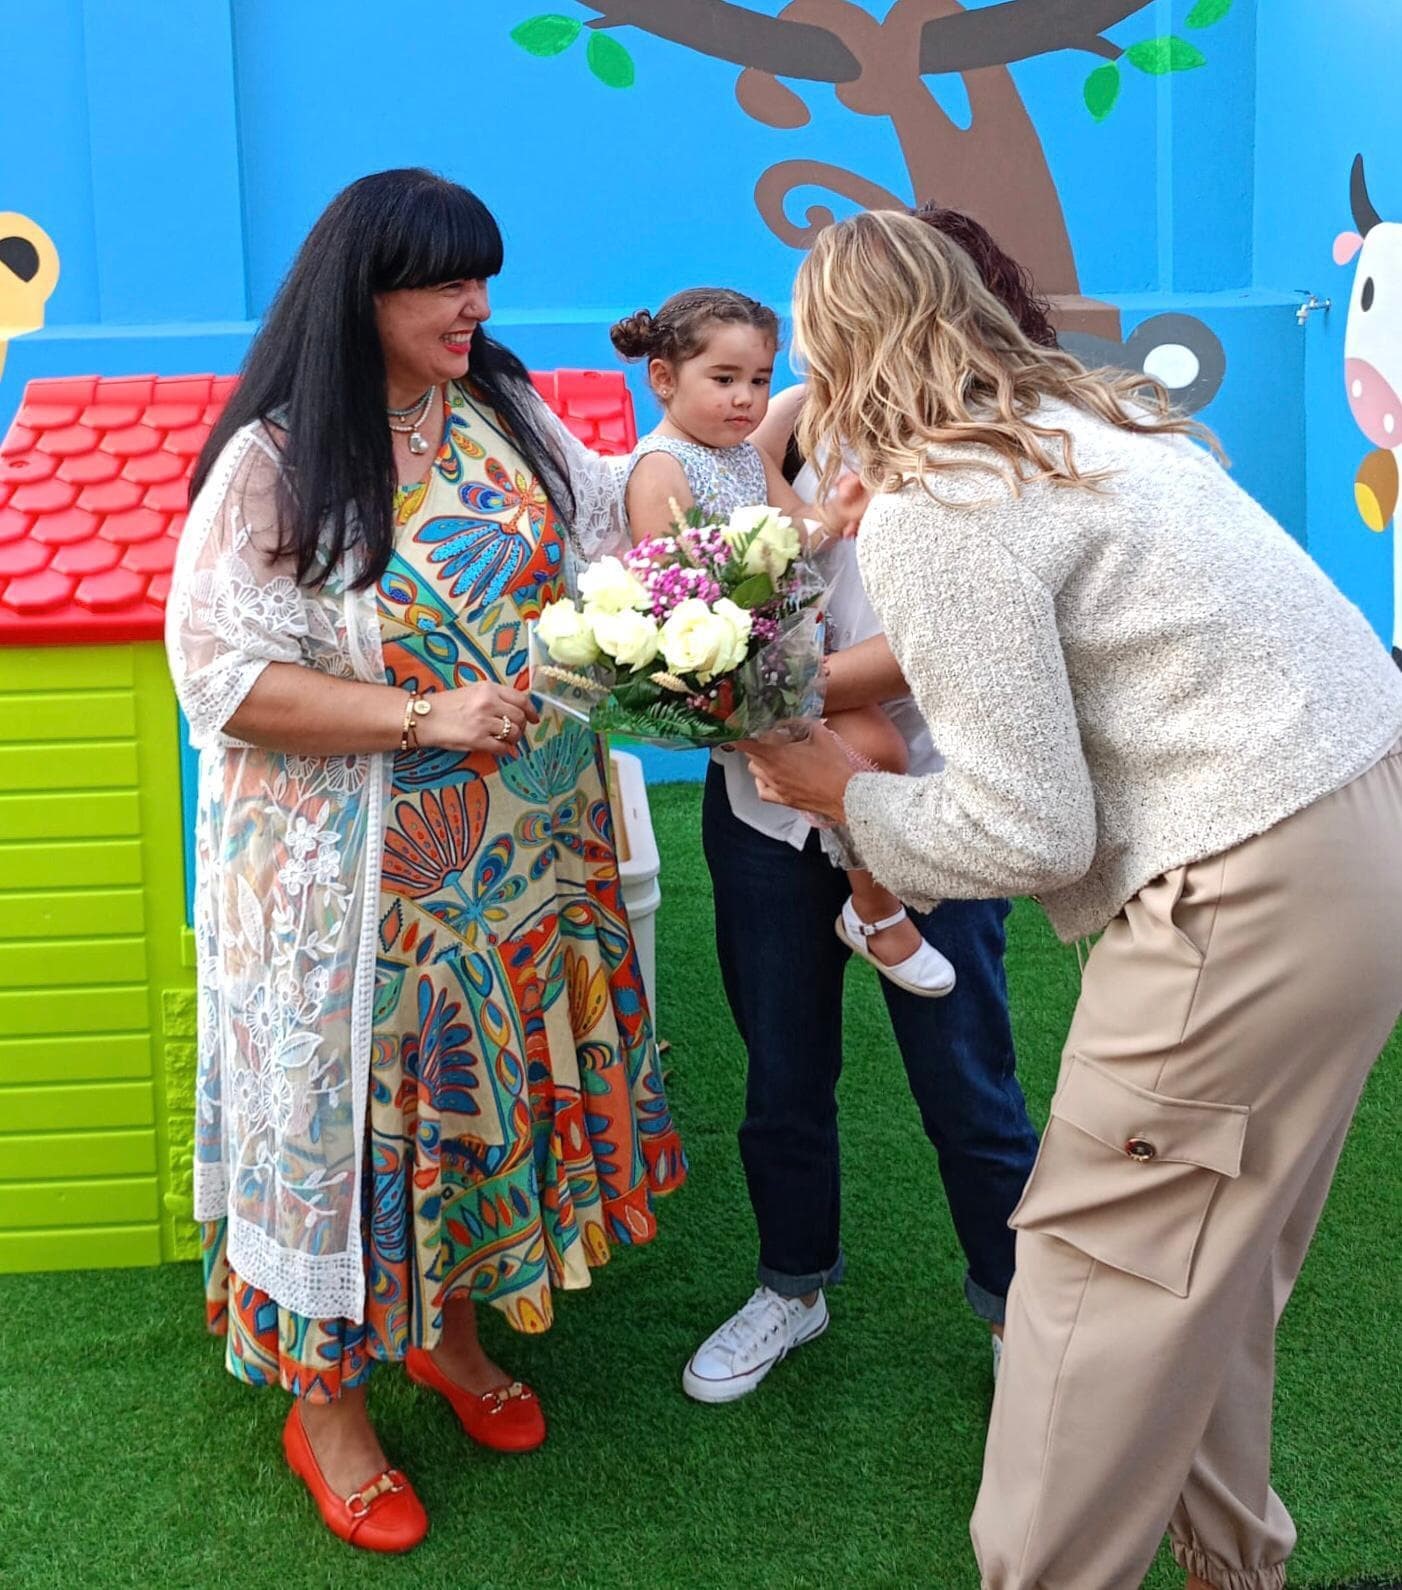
x=925, y=973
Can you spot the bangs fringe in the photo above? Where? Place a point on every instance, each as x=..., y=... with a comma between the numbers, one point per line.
x=435, y=232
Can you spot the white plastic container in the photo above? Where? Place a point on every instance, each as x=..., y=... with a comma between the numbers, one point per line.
x=638, y=864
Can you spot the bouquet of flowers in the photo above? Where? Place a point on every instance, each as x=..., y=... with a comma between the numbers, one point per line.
x=706, y=636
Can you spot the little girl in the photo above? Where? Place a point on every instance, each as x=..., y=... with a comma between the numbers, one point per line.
x=710, y=356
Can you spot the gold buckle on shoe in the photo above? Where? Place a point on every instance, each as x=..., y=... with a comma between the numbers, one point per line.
x=359, y=1503
x=515, y=1392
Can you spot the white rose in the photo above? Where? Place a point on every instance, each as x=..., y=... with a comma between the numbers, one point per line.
x=608, y=587
x=773, y=539
x=741, y=621
x=567, y=635
x=700, y=640
x=631, y=639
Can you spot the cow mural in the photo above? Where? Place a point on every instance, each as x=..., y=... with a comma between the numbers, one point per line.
x=1373, y=367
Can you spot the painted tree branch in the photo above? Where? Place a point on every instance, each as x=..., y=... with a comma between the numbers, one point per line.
x=780, y=182
x=1017, y=30
x=995, y=35
x=734, y=33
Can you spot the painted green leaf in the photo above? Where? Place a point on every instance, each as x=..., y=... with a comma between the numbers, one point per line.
x=610, y=62
x=1169, y=54
x=1102, y=90
x=1206, y=12
x=547, y=35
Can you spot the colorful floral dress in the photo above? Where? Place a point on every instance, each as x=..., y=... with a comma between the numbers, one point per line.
x=517, y=1126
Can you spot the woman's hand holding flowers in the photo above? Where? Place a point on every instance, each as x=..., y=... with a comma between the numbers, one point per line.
x=485, y=717
x=810, y=775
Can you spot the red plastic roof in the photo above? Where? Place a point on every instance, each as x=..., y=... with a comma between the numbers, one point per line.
x=93, y=493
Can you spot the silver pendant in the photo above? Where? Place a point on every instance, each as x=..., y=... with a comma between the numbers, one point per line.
x=417, y=444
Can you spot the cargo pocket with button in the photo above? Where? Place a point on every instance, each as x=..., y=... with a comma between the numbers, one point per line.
x=1126, y=1175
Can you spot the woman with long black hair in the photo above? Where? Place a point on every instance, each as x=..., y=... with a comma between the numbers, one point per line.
x=427, y=1073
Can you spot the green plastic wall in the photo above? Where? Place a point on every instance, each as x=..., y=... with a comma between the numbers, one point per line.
x=97, y=1004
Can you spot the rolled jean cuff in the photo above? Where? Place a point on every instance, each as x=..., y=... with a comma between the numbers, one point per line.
x=986, y=1305
x=1192, y=1559
x=802, y=1285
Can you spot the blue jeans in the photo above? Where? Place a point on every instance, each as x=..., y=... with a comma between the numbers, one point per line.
x=782, y=965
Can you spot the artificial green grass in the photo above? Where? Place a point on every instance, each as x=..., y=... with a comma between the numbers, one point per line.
x=128, y=1456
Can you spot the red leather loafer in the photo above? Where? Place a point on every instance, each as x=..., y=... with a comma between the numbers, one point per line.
x=383, y=1515
x=507, y=1419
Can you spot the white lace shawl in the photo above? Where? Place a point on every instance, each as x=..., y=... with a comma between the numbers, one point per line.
x=287, y=876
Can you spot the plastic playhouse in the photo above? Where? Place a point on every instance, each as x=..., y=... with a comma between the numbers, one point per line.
x=97, y=1003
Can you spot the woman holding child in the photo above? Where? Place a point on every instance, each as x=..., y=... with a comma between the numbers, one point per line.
x=1159, y=716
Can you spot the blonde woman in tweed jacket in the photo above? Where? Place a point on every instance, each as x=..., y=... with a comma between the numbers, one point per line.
x=1158, y=716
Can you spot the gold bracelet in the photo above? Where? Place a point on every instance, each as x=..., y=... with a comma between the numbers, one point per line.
x=415, y=708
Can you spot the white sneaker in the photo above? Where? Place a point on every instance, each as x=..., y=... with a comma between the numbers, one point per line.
x=733, y=1360
x=925, y=973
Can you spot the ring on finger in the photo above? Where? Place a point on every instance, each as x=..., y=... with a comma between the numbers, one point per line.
x=506, y=730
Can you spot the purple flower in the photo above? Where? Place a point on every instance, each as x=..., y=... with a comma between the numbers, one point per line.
x=705, y=546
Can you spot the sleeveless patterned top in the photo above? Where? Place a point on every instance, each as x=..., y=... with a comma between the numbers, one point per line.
x=722, y=479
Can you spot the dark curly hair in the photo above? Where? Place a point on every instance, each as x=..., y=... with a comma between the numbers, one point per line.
x=1009, y=282
x=678, y=331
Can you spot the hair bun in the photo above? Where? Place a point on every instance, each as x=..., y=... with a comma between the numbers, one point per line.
x=635, y=336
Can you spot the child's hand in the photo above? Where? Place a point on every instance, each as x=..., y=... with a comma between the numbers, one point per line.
x=847, y=502
x=816, y=534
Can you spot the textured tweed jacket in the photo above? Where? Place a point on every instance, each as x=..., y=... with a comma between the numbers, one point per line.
x=1120, y=682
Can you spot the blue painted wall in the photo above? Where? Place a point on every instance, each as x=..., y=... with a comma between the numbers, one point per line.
x=1320, y=102
x=177, y=155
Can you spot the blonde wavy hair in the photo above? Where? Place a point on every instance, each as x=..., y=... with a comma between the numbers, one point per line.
x=908, y=352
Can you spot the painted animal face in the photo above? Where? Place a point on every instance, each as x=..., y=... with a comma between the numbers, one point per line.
x=28, y=274
x=1373, y=341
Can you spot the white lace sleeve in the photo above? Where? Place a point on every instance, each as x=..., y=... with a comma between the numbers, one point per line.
x=233, y=607
x=600, y=526
x=286, y=902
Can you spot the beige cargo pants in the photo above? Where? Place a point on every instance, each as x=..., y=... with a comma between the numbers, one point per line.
x=1228, y=1020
